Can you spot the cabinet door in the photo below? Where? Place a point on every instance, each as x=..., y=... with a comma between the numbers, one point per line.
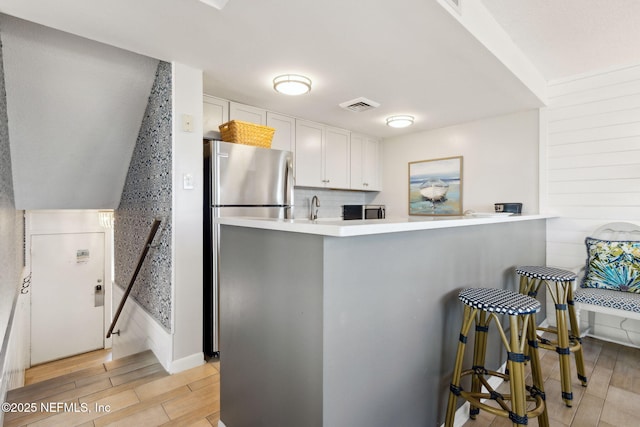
x=371, y=165
x=215, y=112
x=309, y=141
x=284, y=138
x=247, y=113
x=357, y=143
x=336, y=158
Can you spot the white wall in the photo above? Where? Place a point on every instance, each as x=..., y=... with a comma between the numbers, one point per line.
x=590, y=168
x=500, y=162
x=187, y=219
x=75, y=107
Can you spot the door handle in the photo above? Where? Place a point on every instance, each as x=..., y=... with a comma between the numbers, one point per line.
x=98, y=295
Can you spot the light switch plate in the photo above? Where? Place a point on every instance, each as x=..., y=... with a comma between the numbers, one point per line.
x=187, y=123
x=187, y=181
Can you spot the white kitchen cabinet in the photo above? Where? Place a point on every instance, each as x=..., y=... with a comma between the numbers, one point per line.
x=215, y=112
x=284, y=138
x=309, y=138
x=322, y=156
x=247, y=113
x=365, y=163
x=336, y=158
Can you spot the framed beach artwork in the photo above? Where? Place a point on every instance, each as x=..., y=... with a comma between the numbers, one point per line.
x=435, y=187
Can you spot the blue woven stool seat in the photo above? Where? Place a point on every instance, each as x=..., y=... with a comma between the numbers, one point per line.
x=499, y=301
x=546, y=273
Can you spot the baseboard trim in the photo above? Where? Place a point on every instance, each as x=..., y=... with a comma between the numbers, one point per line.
x=140, y=332
x=185, y=363
x=221, y=424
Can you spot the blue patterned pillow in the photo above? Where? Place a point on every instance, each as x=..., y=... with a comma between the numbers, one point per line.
x=612, y=265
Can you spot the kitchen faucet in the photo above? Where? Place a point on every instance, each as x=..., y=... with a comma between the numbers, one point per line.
x=313, y=211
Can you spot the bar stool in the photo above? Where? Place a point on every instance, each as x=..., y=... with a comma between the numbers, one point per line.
x=481, y=306
x=560, y=285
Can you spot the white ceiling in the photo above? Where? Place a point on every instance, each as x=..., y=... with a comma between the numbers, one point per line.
x=411, y=56
x=568, y=37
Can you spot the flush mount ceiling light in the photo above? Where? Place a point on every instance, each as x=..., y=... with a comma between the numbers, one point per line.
x=292, y=84
x=218, y=4
x=399, y=121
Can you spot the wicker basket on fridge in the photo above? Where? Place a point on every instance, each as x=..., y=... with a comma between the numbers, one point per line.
x=247, y=133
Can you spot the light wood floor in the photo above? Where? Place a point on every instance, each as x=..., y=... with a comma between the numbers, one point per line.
x=141, y=393
x=132, y=391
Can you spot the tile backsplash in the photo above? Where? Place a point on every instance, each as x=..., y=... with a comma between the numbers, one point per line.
x=331, y=201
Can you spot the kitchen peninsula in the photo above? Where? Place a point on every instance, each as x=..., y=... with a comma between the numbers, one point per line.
x=334, y=323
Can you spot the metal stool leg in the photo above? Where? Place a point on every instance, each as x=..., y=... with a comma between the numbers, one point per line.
x=575, y=337
x=515, y=360
x=454, y=388
x=559, y=294
x=479, y=353
x=537, y=390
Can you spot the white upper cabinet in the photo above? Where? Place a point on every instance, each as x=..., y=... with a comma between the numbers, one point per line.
x=365, y=163
x=215, y=112
x=284, y=138
x=322, y=156
x=336, y=158
x=247, y=113
x=308, y=169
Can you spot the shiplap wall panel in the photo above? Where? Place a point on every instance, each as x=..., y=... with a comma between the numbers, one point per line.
x=590, y=169
x=589, y=147
x=594, y=186
x=591, y=133
x=605, y=158
x=595, y=120
x=595, y=94
x=595, y=172
x=596, y=80
x=620, y=103
x=592, y=164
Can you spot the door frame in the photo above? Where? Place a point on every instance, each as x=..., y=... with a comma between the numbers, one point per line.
x=70, y=222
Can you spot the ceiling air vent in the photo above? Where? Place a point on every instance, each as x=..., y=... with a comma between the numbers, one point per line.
x=454, y=3
x=359, y=105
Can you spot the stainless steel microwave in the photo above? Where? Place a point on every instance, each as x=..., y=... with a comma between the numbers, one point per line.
x=363, y=212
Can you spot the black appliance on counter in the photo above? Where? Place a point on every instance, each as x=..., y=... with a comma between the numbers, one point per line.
x=363, y=212
x=515, y=208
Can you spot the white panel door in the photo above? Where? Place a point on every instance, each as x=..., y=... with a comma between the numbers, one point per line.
x=66, y=269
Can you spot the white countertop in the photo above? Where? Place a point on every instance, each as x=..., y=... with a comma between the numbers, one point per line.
x=338, y=228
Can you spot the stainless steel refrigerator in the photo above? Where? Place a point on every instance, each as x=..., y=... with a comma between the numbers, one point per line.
x=240, y=180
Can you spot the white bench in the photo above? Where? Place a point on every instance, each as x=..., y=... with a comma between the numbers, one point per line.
x=606, y=301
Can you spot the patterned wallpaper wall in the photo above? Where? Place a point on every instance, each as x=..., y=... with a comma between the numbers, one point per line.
x=146, y=196
x=11, y=221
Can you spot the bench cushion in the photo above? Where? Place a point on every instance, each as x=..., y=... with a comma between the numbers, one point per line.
x=607, y=298
x=613, y=265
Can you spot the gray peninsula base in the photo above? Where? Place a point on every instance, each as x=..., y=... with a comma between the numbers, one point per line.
x=354, y=331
